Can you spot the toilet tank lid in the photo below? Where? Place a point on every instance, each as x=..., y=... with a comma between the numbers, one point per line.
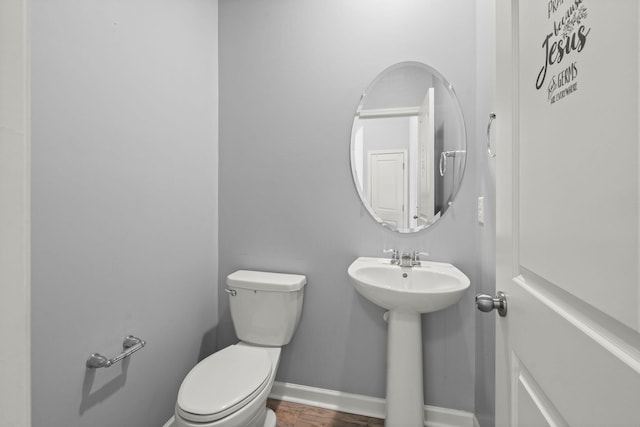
x=266, y=281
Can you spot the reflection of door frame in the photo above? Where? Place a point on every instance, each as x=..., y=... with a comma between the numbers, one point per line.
x=402, y=223
x=381, y=113
x=425, y=190
x=424, y=133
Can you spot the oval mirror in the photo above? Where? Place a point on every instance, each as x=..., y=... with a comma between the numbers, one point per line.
x=408, y=147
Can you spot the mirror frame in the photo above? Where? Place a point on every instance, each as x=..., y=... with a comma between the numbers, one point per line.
x=463, y=143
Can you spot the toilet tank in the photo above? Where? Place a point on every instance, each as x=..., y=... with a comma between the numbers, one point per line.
x=265, y=307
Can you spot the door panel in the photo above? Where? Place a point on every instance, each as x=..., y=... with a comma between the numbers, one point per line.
x=567, y=134
x=388, y=185
x=586, y=373
x=535, y=408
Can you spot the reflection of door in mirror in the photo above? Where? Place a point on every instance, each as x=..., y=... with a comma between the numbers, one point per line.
x=389, y=142
x=410, y=202
x=425, y=208
x=387, y=181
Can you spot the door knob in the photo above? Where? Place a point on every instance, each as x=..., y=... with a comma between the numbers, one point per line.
x=486, y=303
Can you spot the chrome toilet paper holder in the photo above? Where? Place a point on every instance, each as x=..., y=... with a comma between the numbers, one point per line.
x=130, y=345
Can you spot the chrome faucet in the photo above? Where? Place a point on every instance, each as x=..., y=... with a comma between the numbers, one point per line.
x=411, y=259
x=408, y=259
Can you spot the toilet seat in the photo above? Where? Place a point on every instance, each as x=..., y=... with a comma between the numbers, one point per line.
x=223, y=383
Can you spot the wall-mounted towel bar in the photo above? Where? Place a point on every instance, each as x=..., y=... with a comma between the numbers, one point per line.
x=492, y=153
x=130, y=345
x=443, y=159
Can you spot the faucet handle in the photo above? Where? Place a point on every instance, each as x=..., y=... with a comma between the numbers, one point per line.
x=416, y=256
x=394, y=254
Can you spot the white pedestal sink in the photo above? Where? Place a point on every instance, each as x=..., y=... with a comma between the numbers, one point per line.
x=406, y=292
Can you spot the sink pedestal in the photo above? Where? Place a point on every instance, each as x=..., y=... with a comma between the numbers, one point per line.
x=405, y=396
x=407, y=292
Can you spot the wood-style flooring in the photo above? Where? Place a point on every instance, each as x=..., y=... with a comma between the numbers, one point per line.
x=290, y=414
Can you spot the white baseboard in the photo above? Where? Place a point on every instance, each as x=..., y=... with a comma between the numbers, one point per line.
x=362, y=405
x=365, y=405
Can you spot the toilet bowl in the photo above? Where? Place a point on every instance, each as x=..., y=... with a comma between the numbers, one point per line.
x=230, y=387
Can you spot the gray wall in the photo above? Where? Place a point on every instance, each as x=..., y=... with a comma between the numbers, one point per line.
x=124, y=204
x=291, y=75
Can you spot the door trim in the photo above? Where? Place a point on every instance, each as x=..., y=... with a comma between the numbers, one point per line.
x=506, y=109
x=588, y=320
x=15, y=169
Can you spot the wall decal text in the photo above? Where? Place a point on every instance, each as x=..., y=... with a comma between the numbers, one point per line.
x=567, y=39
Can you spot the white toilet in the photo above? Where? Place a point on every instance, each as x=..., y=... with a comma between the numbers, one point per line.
x=230, y=387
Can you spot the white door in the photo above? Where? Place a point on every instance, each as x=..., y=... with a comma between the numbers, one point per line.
x=426, y=140
x=388, y=185
x=567, y=94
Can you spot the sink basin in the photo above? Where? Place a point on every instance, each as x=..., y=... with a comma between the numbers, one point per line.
x=406, y=292
x=428, y=287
